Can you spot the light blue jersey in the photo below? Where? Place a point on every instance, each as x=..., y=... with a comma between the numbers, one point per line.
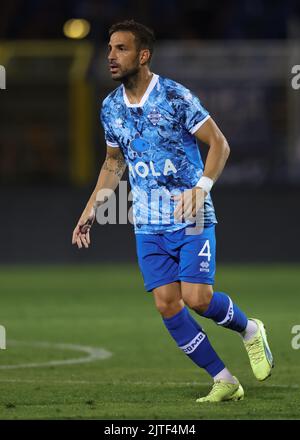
x=157, y=140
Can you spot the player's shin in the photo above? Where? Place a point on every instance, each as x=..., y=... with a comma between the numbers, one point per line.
x=193, y=341
x=225, y=313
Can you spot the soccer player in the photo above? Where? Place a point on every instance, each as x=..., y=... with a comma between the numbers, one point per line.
x=152, y=124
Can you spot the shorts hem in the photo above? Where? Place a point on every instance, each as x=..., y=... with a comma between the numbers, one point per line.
x=198, y=280
x=159, y=283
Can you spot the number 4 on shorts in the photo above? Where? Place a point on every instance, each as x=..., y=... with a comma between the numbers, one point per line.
x=205, y=251
x=2, y=338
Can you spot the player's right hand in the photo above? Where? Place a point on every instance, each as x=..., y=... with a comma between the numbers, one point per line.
x=81, y=233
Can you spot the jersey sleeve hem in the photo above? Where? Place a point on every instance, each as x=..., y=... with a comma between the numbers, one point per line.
x=197, y=126
x=112, y=144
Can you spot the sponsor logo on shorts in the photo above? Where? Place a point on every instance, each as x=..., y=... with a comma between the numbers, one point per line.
x=204, y=266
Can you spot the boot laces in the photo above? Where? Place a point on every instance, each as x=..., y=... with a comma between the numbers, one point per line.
x=256, y=350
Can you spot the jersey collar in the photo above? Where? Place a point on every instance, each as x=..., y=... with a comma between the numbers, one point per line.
x=146, y=94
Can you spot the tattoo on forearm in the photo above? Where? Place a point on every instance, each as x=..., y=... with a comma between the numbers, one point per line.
x=121, y=165
x=115, y=165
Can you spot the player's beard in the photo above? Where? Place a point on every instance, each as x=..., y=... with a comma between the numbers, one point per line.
x=128, y=76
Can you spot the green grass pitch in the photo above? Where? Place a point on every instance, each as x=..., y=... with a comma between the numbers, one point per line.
x=146, y=377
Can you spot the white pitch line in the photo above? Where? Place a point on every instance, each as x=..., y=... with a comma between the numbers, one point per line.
x=93, y=353
x=152, y=384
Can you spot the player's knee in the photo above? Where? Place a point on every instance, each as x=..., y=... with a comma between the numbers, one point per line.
x=168, y=300
x=168, y=308
x=199, y=298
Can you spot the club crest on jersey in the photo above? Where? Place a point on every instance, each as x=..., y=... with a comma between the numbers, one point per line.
x=154, y=116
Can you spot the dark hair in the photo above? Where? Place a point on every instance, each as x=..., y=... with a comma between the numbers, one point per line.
x=144, y=36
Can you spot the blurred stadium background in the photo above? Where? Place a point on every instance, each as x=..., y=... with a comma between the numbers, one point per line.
x=237, y=56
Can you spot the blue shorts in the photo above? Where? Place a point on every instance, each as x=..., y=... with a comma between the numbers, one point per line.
x=176, y=256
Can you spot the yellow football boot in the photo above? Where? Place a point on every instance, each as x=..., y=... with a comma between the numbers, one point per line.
x=223, y=391
x=260, y=356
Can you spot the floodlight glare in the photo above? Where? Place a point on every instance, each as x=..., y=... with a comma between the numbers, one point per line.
x=77, y=28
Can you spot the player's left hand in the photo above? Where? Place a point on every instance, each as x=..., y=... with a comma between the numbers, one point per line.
x=189, y=203
x=81, y=233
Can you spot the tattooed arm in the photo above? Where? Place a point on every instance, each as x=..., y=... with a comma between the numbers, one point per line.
x=110, y=175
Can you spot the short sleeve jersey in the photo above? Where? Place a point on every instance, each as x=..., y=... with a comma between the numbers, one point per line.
x=157, y=140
